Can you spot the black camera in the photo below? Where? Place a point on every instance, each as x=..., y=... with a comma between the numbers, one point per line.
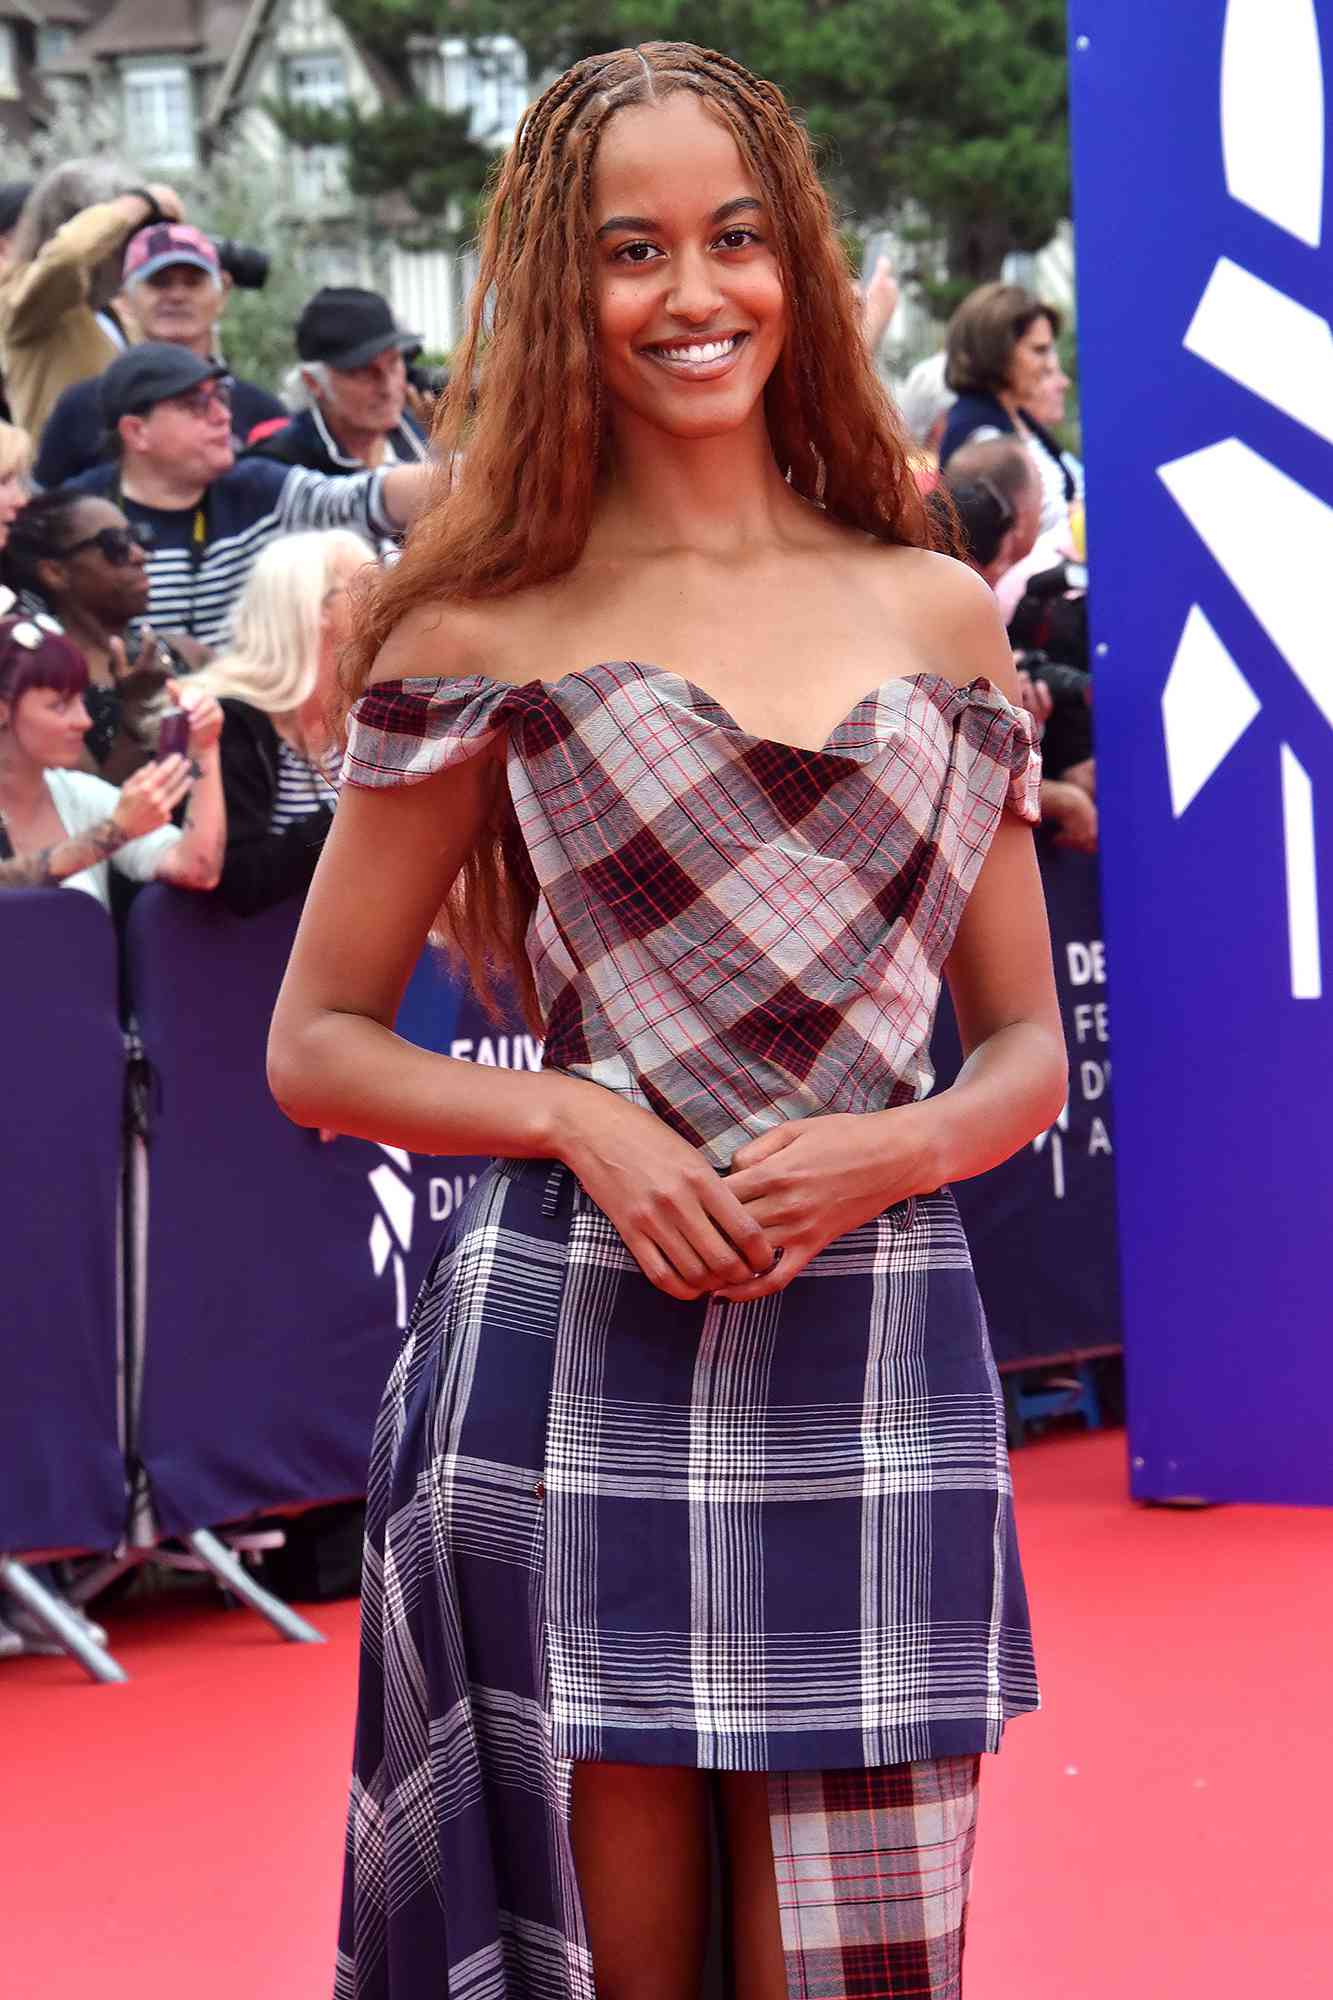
x=427, y=381
x=245, y=265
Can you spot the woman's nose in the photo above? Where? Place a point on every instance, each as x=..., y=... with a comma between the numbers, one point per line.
x=694, y=292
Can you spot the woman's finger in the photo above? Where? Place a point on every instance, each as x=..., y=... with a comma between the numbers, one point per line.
x=659, y=1271
x=789, y=1265
x=741, y=1228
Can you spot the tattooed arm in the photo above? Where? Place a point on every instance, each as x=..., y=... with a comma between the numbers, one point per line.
x=50, y=866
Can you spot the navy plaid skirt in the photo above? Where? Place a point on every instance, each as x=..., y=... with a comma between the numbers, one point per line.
x=605, y=1524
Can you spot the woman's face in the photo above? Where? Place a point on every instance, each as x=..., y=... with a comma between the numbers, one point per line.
x=690, y=311
x=1034, y=354
x=49, y=728
x=1047, y=401
x=105, y=576
x=13, y=499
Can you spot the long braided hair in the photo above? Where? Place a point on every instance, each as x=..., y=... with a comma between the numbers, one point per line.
x=518, y=508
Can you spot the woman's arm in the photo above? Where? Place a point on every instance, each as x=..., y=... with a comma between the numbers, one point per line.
x=195, y=861
x=144, y=803
x=48, y=867
x=57, y=277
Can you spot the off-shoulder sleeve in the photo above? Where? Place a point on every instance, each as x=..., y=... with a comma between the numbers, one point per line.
x=1004, y=738
x=400, y=732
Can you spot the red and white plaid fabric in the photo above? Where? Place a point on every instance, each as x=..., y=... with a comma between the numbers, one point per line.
x=731, y=931
x=873, y=1869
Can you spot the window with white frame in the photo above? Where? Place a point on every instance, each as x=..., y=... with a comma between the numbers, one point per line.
x=488, y=78
x=51, y=44
x=317, y=82
x=9, y=77
x=159, y=116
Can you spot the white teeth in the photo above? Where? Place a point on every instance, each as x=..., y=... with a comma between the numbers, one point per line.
x=710, y=350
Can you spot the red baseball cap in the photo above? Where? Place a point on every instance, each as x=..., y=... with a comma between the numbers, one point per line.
x=165, y=243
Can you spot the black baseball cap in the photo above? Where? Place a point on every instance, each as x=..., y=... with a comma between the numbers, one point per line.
x=347, y=327
x=148, y=374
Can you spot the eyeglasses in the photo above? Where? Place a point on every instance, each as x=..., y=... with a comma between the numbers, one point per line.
x=116, y=544
x=202, y=401
x=31, y=632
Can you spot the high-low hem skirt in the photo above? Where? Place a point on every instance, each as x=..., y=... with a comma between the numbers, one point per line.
x=607, y=1525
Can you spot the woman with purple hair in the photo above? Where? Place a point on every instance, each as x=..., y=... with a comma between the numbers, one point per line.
x=58, y=824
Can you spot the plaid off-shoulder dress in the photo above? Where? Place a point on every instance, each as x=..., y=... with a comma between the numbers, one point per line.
x=604, y=1524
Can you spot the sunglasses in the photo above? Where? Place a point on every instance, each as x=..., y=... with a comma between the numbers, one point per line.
x=116, y=544
x=30, y=633
x=202, y=401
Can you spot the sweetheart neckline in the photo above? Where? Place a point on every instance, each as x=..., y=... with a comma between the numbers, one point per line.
x=647, y=671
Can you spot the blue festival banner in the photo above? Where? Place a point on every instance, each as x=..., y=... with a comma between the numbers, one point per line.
x=1202, y=221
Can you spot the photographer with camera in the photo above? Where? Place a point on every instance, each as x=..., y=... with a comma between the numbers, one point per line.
x=176, y=282
x=354, y=368
x=57, y=323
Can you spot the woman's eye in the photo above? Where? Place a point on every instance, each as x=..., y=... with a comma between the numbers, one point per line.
x=737, y=239
x=628, y=253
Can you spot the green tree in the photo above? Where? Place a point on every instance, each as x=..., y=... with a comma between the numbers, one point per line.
x=946, y=118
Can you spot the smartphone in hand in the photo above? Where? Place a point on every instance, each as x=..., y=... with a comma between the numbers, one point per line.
x=173, y=736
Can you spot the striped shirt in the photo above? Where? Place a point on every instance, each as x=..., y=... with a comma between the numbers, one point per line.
x=199, y=558
x=302, y=788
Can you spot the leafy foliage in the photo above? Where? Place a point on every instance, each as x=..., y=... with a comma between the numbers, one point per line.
x=946, y=117
x=408, y=150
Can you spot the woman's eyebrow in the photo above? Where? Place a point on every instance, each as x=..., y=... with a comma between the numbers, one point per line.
x=744, y=204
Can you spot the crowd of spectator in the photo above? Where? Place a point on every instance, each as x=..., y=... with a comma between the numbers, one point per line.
x=188, y=530
x=984, y=413
x=178, y=545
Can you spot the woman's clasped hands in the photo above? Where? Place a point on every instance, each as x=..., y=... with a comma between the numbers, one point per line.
x=695, y=1232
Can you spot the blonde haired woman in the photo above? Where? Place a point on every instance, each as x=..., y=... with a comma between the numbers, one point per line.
x=276, y=682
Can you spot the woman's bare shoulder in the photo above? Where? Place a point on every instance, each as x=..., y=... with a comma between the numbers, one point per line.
x=948, y=613
x=455, y=638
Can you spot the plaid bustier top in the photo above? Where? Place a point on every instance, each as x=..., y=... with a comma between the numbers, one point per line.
x=730, y=931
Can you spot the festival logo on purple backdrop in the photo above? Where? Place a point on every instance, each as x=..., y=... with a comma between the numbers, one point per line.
x=1270, y=536
x=412, y=1194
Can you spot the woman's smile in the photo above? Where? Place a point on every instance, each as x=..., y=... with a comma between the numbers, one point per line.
x=698, y=359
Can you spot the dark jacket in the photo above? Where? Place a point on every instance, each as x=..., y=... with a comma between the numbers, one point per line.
x=73, y=438
x=261, y=868
x=975, y=413
x=307, y=441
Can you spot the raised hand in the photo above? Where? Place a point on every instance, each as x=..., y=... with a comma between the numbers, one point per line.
x=151, y=796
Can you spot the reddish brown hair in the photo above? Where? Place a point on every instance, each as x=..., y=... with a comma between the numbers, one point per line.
x=518, y=510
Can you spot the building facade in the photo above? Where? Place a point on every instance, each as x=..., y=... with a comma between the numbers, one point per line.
x=186, y=78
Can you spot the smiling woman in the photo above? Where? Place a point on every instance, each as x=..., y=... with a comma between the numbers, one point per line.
x=689, y=1495
x=76, y=554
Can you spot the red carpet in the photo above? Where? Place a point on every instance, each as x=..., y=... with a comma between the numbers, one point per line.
x=1158, y=1833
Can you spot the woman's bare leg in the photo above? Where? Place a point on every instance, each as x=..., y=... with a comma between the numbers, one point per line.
x=756, y=1935
x=641, y=1849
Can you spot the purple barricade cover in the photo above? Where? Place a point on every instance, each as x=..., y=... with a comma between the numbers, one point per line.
x=62, y=1477
x=1043, y=1225
x=281, y=1269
